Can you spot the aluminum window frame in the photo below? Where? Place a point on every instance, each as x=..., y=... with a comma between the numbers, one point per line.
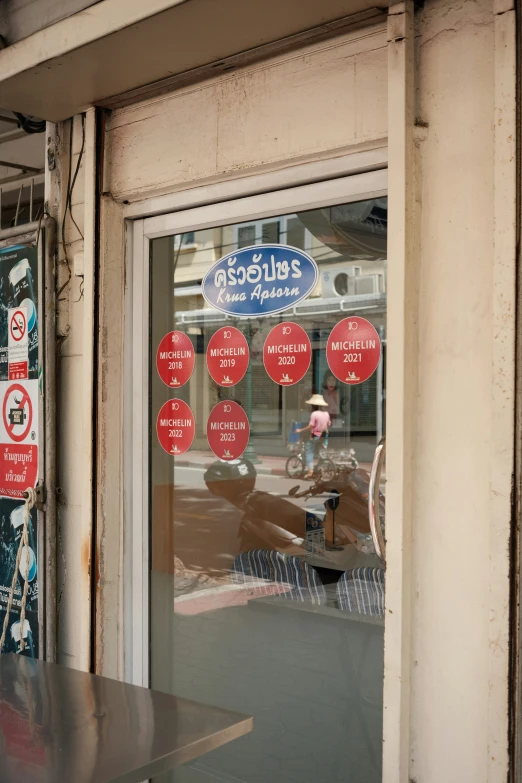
x=279, y=200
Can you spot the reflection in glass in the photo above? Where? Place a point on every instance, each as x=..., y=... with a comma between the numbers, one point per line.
x=266, y=598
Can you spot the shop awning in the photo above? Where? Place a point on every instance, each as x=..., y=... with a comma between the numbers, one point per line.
x=119, y=51
x=369, y=303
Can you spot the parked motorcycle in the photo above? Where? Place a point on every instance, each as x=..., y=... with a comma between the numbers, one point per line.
x=273, y=522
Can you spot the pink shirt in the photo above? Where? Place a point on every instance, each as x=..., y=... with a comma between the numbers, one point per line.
x=320, y=421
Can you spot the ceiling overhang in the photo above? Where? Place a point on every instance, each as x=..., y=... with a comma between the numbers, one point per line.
x=117, y=51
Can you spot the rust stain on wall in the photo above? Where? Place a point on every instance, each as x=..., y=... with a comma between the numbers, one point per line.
x=86, y=557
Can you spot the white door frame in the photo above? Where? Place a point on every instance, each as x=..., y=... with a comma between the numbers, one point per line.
x=140, y=232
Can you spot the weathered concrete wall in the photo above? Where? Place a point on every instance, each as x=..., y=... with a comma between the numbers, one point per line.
x=21, y=18
x=74, y=540
x=464, y=443
x=111, y=461
x=321, y=100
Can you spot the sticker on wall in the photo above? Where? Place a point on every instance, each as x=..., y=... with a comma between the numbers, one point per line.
x=260, y=280
x=12, y=514
x=175, y=359
x=17, y=343
x=287, y=353
x=228, y=430
x=227, y=356
x=19, y=443
x=175, y=427
x=18, y=313
x=18, y=437
x=353, y=350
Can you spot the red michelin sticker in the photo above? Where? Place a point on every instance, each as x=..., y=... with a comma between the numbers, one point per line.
x=228, y=430
x=227, y=356
x=175, y=359
x=353, y=350
x=175, y=427
x=287, y=353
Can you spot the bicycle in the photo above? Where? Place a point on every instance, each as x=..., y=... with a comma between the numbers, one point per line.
x=344, y=460
x=296, y=464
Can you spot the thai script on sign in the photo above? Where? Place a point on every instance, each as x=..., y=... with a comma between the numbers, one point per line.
x=260, y=280
x=16, y=478
x=16, y=457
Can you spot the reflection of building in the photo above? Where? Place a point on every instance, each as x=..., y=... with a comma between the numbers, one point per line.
x=349, y=245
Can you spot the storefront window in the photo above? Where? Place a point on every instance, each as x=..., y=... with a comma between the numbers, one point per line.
x=268, y=600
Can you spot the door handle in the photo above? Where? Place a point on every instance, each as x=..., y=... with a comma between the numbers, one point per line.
x=374, y=501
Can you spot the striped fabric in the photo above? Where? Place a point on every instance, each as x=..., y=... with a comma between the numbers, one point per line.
x=361, y=590
x=298, y=581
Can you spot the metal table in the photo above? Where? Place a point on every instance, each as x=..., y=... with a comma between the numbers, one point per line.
x=58, y=725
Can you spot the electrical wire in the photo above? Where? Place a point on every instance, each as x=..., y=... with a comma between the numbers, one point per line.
x=66, y=257
x=68, y=197
x=80, y=296
x=29, y=124
x=78, y=164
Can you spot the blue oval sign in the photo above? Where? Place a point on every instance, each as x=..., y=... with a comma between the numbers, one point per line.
x=260, y=280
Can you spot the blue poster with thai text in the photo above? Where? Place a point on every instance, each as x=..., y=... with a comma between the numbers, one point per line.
x=260, y=280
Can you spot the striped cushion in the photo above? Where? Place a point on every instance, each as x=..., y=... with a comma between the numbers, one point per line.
x=298, y=580
x=361, y=590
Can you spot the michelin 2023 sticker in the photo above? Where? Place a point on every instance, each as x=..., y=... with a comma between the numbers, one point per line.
x=260, y=280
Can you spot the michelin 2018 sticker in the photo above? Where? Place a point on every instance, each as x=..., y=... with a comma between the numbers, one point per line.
x=260, y=280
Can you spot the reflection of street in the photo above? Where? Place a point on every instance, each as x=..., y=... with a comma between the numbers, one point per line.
x=206, y=526
x=193, y=477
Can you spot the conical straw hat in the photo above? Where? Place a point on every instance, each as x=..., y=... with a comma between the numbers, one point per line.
x=317, y=399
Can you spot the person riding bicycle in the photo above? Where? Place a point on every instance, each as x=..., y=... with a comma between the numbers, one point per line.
x=319, y=424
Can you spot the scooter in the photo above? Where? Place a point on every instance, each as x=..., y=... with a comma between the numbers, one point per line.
x=235, y=481
x=272, y=522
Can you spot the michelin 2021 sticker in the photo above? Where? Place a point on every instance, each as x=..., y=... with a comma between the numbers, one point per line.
x=260, y=280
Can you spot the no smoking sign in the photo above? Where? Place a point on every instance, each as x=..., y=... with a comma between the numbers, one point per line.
x=17, y=344
x=18, y=325
x=18, y=437
x=17, y=413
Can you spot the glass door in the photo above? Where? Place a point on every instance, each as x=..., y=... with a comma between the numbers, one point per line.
x=266, y=492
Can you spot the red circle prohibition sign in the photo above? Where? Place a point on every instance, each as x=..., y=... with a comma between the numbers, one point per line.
x=25, y=399
x=17, y=325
